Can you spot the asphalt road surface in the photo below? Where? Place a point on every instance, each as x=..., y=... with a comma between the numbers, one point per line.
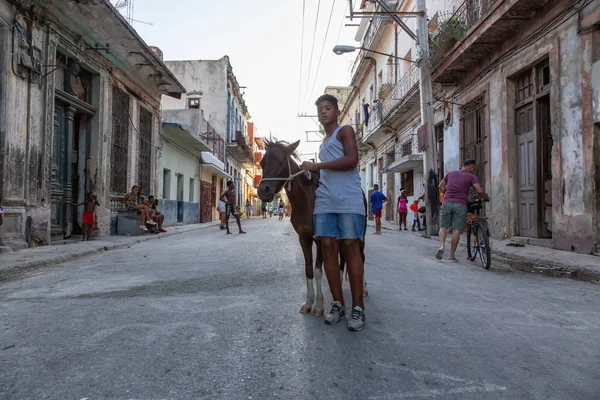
x=205, y=316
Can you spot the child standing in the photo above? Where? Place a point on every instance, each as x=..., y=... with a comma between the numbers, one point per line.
x=403, y=209
x=339, y=214
x=414, y=207
x=89, y=210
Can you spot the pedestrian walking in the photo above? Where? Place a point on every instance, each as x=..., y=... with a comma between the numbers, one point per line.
x=281, y=210
x=455, y=186
x=376, y=201
x=264, y=209
x=402, y=209
x=228, y=197
x=339, y=213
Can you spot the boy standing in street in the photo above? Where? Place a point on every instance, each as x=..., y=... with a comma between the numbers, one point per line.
x=376, y=201
x=88, y=214
x=339, y=214
x=228, y=197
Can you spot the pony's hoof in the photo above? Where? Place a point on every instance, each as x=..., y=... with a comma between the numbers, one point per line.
x=366, y=293
x=304, y=310
x=318, y=312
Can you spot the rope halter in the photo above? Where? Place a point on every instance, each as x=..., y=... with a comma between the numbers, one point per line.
x=291, y=176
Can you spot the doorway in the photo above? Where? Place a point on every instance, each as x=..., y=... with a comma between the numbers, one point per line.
x=179, y=198
x=534, y=151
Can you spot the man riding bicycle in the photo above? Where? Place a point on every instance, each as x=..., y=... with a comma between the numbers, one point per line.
x=455, y=186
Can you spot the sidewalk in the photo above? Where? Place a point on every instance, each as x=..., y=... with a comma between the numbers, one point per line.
x=535, y=259
x=54, y=254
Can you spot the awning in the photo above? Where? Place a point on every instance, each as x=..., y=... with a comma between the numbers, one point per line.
x=406, y=163
x=174, y=132
x=214, y=165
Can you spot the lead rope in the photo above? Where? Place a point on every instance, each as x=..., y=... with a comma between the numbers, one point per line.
x=291, y=176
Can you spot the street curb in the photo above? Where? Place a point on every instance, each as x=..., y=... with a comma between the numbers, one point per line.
x=532, y=264
x=59, y=259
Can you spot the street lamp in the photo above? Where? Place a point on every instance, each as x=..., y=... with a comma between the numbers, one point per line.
x=342, y=49
x=426, y=97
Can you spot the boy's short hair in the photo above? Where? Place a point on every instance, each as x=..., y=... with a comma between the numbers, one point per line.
x=329, y=98
x=229, y=183
x=468, y=163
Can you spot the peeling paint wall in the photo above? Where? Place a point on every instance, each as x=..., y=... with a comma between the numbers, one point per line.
x=208, y=77
x=27, y=127
x=574, y=163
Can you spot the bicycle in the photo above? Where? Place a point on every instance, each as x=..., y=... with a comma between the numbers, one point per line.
x=479, y=243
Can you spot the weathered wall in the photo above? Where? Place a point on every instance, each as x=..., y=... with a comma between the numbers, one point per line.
x=573, y=162
x=208, y=77
x=26, y=130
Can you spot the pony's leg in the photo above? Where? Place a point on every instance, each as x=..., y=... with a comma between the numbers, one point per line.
x=310, y=287
x=318, y=309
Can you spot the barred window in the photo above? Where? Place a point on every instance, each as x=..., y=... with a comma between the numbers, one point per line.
x=120, y=141
x=145, y=153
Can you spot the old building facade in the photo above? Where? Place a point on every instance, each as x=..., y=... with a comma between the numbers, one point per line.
x=516, y=87
x=213, y=93
x=79, y=114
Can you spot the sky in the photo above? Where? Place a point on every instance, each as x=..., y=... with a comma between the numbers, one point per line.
x=263, y=41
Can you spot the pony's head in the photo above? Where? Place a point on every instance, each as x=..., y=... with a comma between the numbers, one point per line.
x=275, y=165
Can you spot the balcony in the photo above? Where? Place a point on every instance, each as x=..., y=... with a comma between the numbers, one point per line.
x=476, y=30
x=397, y=108
x=240, y=150
x=405, y=157
x=373, y=35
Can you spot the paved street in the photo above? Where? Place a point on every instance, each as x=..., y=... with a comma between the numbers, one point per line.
x=205, y=316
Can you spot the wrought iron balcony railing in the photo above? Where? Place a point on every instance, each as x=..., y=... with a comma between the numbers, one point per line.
x=455, y=28
x=399, y=92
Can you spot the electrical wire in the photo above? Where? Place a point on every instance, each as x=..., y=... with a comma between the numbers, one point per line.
x=322, y=49
x=301, y=54
x=312, y=49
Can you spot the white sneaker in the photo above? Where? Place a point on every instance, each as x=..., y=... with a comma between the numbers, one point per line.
x=143, y=227
x=357, y=321
x=336, y=314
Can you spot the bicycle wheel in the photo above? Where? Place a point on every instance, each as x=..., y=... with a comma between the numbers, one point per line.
x=485, y=253
x=471, y=241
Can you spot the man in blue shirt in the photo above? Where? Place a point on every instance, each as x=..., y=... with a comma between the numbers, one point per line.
x=376, y=201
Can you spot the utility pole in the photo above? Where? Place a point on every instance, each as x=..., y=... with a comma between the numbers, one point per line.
x=426, y=90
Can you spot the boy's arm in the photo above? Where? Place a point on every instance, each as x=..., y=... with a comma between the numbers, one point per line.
x=348, y=161
x=77, y=204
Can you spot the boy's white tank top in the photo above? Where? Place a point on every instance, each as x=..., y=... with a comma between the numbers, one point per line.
x=339, y=192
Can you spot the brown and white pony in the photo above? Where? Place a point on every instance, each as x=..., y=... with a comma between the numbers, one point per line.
x=280, y=170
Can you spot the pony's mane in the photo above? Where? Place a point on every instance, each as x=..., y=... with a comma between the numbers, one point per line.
x=281, y=144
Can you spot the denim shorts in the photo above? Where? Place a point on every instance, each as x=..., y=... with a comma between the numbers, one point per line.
x=453, y=215
x=340, y=226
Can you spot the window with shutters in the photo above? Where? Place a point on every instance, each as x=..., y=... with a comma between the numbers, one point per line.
x=145, y=152
x=474, y=135
x=120, y=141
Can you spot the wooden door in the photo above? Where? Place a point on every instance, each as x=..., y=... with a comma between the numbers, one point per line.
x=206, y=190
x=57, y=168
x=527, y=150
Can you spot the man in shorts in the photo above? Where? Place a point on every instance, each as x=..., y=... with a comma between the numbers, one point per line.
x=377, y=199
x=455, y=186
x=228, y=197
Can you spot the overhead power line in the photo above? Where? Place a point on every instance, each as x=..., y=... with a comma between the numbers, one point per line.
x=301, y=54
x=311, y=52
x=322, y=49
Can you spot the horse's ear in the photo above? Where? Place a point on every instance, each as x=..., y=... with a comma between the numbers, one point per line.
x=292, y=147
